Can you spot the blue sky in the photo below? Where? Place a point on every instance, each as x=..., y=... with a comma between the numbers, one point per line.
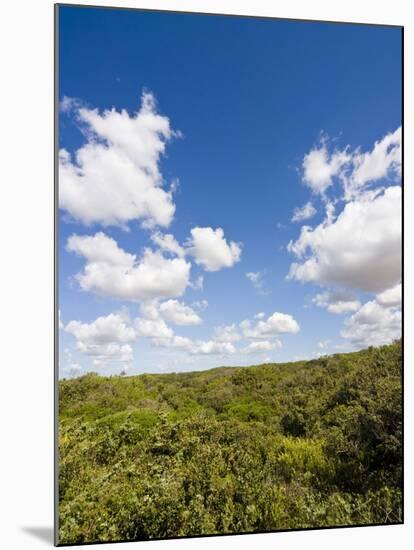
x=267, y=116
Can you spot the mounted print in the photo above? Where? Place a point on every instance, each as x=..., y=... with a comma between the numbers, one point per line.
x=228, y=274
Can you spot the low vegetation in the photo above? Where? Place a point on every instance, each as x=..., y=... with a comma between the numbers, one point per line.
x=231, y=450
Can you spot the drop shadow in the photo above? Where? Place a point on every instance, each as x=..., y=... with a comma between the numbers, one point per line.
x=42, y=533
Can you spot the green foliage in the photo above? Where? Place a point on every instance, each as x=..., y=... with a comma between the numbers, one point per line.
x=307, y=444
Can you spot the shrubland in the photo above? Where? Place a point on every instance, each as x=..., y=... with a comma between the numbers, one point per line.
x=230, y=450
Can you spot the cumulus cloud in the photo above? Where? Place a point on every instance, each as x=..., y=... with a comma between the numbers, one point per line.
x=114, y=177
x=372, y=325
x=110, y=271
x=337, y=301
x=320, y=167
x=172, y=310
x=391, y=297
x=303, y=213
x=197, y=347
x=384, y=160
x=153, y=328
x=261, y=346
x=175, y=342
x=227, y=333
x=355, y=170
x=277, y=323
x=178, y=313
x=168, y=243
x=211, y=347
x=211, y=250
x=360, y=249
x=105, y=339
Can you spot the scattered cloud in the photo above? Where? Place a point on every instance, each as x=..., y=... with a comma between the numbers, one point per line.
x=198, y=283
x=69, y=104
x=110, y=271
x=153, y=328
x=114, y=177
x=383, y=161
x=372, y=325
x=178, y=313
x=197, y=347
x=168, y=243
x=392, y=297
x=105, y=339
x=261, y=346
x=337, y=301
x=324, y=344
x=353, y=169
x=201, y=305
x=277, y=323
x=227, y=333
x=211, y=250
x=211, y=347
x=257, y=280
x=361, y=249
x=304, y=213
x=172, y=310
x=320, y=167
x=260, y=315
x=175, y=342
x=70, y=370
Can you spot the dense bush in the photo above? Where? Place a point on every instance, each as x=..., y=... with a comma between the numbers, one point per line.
x=306, y=444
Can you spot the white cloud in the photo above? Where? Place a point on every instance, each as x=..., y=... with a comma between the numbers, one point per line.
x=361, y=249
x=198, y=284
x=105, y=339
x=320, y=167
x=304, y=213
x=324, y=344
x=211, y=250
x=338, y=301
x=201, y=305
x=227, y=333
x=260, y=315
x=274, y=325
x=153, y=328
x=71, y=369
x=175, y=342
x=114, y=177
x=112, y=328
x=110, y=271
x=256, y=278
x=178, y=313
x=391, y=297
x=212, y=347
x=172, y=310
x=373, y=325
x=354, y=169
x=261, y=346
x=168, y=243
x=383, y=161
x=197, y=347
x=149, y=309
x=68, y=104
